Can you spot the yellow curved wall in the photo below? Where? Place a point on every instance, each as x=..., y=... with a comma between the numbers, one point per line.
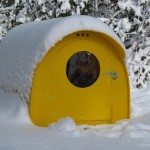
x=53, y=96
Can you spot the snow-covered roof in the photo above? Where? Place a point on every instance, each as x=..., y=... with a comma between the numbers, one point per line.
x=26, y=45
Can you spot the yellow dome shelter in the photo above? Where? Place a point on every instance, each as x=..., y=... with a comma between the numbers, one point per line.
x=68, y=67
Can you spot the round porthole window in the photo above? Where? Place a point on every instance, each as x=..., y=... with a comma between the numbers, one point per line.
x=83, y=69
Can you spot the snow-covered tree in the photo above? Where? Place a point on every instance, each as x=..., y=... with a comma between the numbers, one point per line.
x=130, y=19
x=10, y=11
x=14, y=12
x=132, y=24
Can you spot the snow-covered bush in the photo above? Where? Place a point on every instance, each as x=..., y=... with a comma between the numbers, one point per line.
x=130, y=19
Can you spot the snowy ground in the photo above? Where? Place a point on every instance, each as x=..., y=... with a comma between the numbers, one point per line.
x=18, y=133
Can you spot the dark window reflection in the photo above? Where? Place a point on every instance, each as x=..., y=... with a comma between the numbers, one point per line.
x=83, y=69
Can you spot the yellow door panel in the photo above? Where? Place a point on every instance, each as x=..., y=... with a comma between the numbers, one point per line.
x=53, y=96
x=119, y=90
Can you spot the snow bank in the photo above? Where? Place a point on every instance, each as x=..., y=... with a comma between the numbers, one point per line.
x=12, y=110
x=140, y=102
x=17, y=132
x=65, y=124
x=138, y=128
x=26, y=45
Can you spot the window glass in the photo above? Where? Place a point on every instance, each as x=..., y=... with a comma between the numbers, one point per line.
x=83, y=69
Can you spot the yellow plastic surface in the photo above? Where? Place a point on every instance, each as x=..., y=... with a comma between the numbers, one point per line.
x=53, y=96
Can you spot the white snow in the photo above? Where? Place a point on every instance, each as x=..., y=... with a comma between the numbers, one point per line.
x=12, y=109
x=41, y=2
x=22, y=20
x=26, y=45
x=17, y=132
x=65, y=5
x=125, y=25
x=128, y=4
